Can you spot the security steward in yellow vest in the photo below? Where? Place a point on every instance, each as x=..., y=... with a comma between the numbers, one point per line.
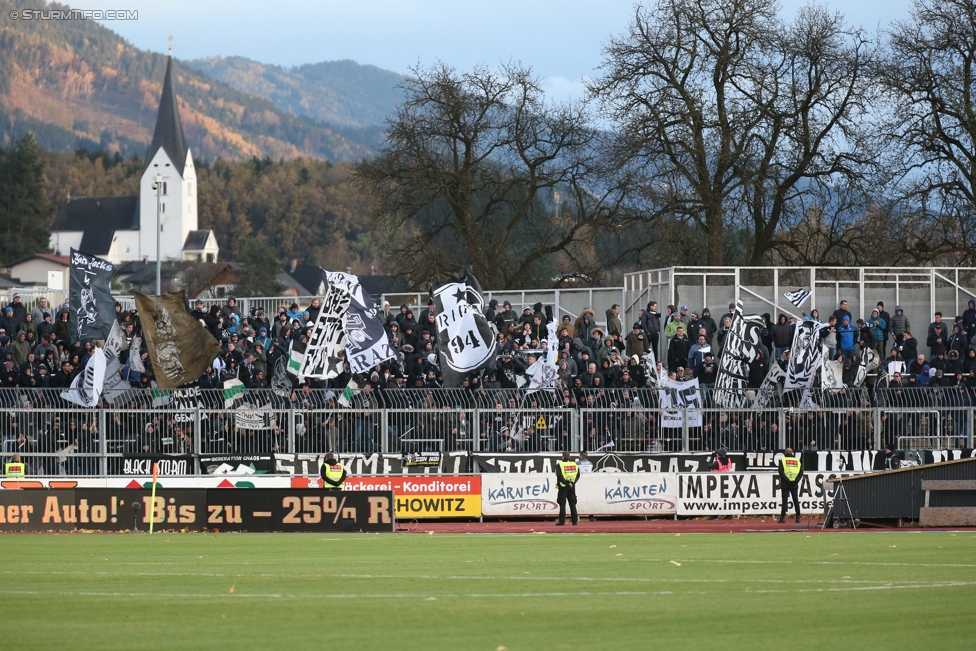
x=567, y=472
x=15, y=467
x=333, y=473
x=790, y=472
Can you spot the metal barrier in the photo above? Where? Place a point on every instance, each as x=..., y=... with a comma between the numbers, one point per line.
x=56, y=438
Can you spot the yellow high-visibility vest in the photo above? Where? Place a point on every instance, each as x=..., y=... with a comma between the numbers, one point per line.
x=791, y=468
x=15, y=469
x=334, y=472
x=569, y=470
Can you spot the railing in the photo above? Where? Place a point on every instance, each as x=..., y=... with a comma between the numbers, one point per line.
x=563, y=302
x=73, y=441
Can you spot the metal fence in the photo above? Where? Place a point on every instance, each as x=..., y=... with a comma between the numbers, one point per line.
x=921, y=291
x=563, y=302
x=56, y=438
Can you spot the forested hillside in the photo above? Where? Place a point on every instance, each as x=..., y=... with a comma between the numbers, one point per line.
x=75, y=83
x=338, y=92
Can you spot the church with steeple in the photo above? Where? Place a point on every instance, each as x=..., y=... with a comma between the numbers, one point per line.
x=123, y=229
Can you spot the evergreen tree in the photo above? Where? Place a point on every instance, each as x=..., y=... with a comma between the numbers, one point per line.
x=24, y=209
x=260, y=268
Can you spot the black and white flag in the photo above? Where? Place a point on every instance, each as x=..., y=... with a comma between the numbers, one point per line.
x=831, y=372
x=281, y=384
x=742, y=344
x=135, y=355
x=90, y=299
x=766, y=393
x=805, y=356
x=86, y=388
x=366, y=341
x=541, y=375
x=115, y=385
x=799, y=297
x=870, y=360
x=321, y=357
x=654, y=377
x=465, y=339
x=675, y=398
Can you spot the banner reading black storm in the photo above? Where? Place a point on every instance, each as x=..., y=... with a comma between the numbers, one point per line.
x=464, y=338
x=180, y=347
x=90, y=297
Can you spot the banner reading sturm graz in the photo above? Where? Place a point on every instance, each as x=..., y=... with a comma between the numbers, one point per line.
x=366, y=342
x=179, y=346
x=90, y=297
x=742, y=345
x=464, y=337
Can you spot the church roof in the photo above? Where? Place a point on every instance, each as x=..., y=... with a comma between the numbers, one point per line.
x=169, y=130
x=196, y=240
x=98, y=218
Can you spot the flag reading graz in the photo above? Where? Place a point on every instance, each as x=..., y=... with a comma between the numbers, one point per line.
x=180, y=347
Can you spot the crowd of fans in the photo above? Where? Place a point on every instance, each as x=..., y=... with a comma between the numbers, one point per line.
x=602, y=366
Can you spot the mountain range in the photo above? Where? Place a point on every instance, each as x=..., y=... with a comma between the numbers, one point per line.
x=76, y=83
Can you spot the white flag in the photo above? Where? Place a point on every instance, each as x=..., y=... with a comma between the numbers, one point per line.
x=799, y=297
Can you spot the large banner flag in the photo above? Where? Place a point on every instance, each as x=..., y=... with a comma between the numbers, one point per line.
x=799, y=297
x=321, y=357
x=86, y=388
x=179, y=346
x=650, y=367
x=742, y=344
x=345, y=327
x=870, y=360
x=102, y=373
x=464, y=337
x=366, y=342
x=831, y=372
x=541, y=374
x=806, y=356
x=90, y=297
x=766, y=394
x=675, y=398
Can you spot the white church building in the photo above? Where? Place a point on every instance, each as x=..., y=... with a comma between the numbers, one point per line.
x=123, y=229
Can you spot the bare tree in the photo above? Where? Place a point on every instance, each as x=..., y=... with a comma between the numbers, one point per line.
x=930, y=76
x=469, y=173
x=731, y=119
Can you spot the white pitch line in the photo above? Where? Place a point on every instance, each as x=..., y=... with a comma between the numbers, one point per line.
x=707, y=560
x=472, y=595
x=455, y=577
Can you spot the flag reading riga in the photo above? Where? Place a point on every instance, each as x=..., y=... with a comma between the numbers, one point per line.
x=464, y=337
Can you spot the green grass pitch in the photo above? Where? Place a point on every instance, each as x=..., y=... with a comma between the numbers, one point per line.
x=573, y=591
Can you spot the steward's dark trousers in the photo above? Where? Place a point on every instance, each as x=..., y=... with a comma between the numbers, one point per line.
x=567, y=493
x=790, y=490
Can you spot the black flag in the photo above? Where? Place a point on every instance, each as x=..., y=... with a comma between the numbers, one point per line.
x=90, y=297
x=465, y=339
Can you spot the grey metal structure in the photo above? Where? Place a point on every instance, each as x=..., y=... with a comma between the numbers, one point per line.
x=921, y=291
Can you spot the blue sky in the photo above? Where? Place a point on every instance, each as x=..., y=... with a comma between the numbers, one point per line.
x=560, y=40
